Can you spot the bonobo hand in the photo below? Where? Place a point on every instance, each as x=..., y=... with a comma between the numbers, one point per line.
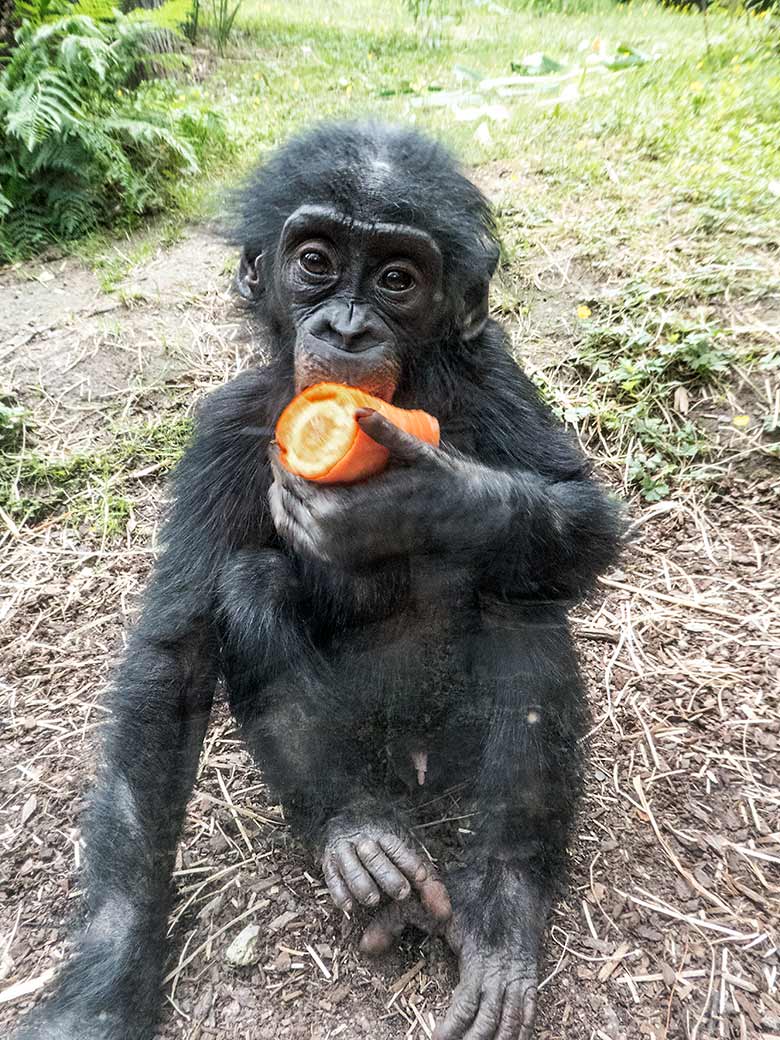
x=434, y=501
x=365, y=858
x=496, y=996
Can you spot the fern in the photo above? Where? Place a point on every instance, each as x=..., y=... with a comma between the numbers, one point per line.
x=47, y=106
x=145, y=135
x=76, y=51
x=81, y=144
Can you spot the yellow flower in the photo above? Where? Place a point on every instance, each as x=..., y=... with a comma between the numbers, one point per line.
x=583, y=311
x=741, y=421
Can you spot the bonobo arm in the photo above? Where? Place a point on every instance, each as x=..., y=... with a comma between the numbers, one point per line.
x=109, y=989
x=160, y=703
x=517, y=499
x=555, y=530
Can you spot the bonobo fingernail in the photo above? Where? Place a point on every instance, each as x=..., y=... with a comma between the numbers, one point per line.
x=421, y=874
x=364, y=413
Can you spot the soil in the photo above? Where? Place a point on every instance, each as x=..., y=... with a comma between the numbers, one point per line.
x=669, y=928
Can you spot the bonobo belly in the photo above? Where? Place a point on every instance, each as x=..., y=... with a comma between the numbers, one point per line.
x=389, y=690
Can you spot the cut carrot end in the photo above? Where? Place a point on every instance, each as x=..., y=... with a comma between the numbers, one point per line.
x=319, y=437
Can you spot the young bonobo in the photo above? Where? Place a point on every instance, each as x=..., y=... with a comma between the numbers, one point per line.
x=380, y=641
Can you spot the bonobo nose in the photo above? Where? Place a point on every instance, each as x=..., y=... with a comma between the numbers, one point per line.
x=348, y=326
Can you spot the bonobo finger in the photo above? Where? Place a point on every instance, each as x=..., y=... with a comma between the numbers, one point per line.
x=338, y=890
x=286, y=524
x=435, y=898
x=517, y=1018
x=379, y=936
x=358, y=880
x=382, y=869
x=292, y=504
x=401, y=445
x=462, y=1012
x=489, y=1015
x=406, y=857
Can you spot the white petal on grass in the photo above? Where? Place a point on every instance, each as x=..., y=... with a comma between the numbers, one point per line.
x=483, y=136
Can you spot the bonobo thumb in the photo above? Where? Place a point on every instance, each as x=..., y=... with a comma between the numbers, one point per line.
x=401, y=445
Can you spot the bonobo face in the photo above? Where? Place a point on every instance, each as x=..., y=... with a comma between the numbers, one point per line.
x=360, y=296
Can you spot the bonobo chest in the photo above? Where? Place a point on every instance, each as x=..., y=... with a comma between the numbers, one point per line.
x=425, y=596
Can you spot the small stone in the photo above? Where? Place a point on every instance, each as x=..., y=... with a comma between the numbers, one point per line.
x=283, y=962
x=243, y=950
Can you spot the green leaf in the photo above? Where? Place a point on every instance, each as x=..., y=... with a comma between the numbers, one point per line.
x=625, y=58
x=464, y=72
x=43, y=107
x=537, y=64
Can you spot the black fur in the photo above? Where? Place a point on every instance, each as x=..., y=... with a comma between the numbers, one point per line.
x=339, y=666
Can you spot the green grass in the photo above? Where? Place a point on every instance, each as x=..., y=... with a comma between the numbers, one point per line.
x=651, y=193
x=697, y=124
x=660, y=182
x=88, y=488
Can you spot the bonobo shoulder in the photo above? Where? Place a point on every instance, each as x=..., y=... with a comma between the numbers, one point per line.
x=220, y=486
x=253, y=395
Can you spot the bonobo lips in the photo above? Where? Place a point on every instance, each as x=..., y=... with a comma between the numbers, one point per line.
x=376, y=371
x=379, y=383
x=383, y=390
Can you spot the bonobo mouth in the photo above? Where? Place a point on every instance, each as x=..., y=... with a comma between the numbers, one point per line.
x=377, y=371
x=358, y=370
x=376, y=387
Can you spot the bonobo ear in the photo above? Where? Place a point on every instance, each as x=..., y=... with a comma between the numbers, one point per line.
x=476, y=297
x=249, y=280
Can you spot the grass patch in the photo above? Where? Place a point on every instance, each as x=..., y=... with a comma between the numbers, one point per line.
x=89, y=488
x=647, y=386
x=635, y=163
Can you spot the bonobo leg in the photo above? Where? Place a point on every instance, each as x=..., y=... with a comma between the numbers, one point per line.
x=109, y=989
x=312, y=751
x=499, y=914
x=528, y=786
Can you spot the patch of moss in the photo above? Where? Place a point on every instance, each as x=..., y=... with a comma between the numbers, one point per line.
x=88, y=486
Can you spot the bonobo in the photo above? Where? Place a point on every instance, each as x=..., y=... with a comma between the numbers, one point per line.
x=381, y=641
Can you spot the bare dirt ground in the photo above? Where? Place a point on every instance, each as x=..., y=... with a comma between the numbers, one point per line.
x=670, y=927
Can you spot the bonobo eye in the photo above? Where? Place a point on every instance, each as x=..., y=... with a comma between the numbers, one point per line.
x=396, y=280
x=315, y=262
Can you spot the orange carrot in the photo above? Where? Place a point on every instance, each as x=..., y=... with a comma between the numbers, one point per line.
x=320, y=439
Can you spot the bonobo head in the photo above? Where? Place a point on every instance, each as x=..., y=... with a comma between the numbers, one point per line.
x=364, y=249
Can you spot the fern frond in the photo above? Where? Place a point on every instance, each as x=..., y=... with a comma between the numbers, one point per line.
x=140, y=132
x=80, y=52
x=41, y=108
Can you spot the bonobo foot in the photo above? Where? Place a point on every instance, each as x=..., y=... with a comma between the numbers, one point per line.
x=51, y=1021
x=496, y=996
x=365, y=858
x=109, y=987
